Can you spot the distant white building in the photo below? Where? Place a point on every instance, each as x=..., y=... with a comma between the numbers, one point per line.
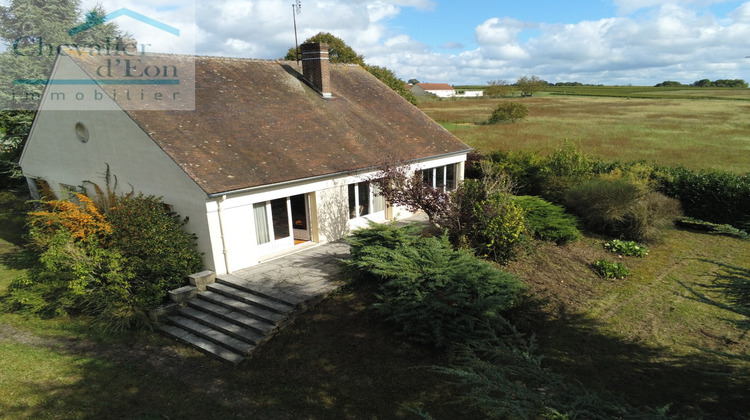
x=470, y=94
x=441, y=90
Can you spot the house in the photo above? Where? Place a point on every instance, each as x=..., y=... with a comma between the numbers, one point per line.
x=264, y=157
x=441, y=90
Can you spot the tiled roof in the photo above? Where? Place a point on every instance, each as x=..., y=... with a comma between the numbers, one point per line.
x=257, y=123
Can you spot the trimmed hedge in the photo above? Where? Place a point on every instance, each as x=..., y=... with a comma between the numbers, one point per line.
x=710, y=195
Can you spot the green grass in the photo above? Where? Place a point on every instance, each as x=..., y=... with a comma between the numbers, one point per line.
x=664, y=335
x=648, y=336
x=681, y=92
x=645, y=336
x=333, y=362
x=695, y=133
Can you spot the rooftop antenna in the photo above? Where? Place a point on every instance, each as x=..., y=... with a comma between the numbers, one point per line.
x=296, y=9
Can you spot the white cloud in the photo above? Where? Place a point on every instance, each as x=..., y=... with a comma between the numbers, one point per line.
x=631, y=6
x=498, y=38
x=672, y=40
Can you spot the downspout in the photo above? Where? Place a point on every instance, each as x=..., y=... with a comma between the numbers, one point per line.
x=221, y=230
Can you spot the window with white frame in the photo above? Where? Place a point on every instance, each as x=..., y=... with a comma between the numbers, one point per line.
x=441, y=177
x=271, y=220
x=364, y=199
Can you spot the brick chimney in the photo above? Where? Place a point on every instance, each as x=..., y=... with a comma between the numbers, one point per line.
x=315, y=67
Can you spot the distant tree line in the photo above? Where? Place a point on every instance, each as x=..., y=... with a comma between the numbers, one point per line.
x=728, y=83
x=526, y=86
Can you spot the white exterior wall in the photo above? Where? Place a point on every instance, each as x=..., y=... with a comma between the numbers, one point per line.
x=443, y=93
x=328, y=218
x=55, y=154
x=420, y=91
x=470, y=94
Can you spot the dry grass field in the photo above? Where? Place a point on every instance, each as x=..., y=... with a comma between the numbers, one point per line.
x=695, y=133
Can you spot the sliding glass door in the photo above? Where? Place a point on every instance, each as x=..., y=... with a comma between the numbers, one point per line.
x=281, y=223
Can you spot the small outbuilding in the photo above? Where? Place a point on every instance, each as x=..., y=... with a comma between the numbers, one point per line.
x=441, y=90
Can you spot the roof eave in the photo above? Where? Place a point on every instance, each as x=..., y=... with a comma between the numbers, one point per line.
x=326, y=176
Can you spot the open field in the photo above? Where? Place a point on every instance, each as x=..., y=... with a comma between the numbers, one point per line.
x=672, y=92
x=694, y=133
x=649, y=338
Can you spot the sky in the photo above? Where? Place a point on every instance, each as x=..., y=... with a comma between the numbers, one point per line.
x=611, y=42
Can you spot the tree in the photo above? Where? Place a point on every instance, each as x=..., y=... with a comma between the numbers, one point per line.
x=702, y=83
x=390, y=79
x=340, y=52
x=402, y=187
x=530, y=85
x=413, y=82
x=498, y=89
x=33, y=31
x=508, y=112
x=668, y=83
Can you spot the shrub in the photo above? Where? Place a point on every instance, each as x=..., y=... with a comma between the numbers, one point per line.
x=526, y=169
x=505, y=378
x=484, y=217
x=114, y=266
x=714, y=228
x=74, y=268
x=434, y=294
x=611, y=270
x=154, y=242
x=710, y=195
x=627, y=248
x=546, y=176
x=565, y=168
x=508, y=112
x=622, y=208
x=548, y=221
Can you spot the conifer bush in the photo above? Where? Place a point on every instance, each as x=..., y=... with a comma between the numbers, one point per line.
x=547, y=221
x=434, y=294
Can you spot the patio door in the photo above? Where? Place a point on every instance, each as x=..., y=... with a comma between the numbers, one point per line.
x=273, y=225
x=300, y=210
x=281, y=223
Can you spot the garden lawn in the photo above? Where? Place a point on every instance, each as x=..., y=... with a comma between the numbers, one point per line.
x=649, y=336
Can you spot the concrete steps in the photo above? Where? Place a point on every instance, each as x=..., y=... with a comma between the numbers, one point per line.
x=230, y=318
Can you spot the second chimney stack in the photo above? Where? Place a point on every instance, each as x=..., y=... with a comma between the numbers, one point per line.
x=315, y=67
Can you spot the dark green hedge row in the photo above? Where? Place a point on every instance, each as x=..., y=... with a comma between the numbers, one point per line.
x=710, y=195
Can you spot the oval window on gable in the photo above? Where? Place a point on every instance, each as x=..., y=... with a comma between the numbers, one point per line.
x=82, y=132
